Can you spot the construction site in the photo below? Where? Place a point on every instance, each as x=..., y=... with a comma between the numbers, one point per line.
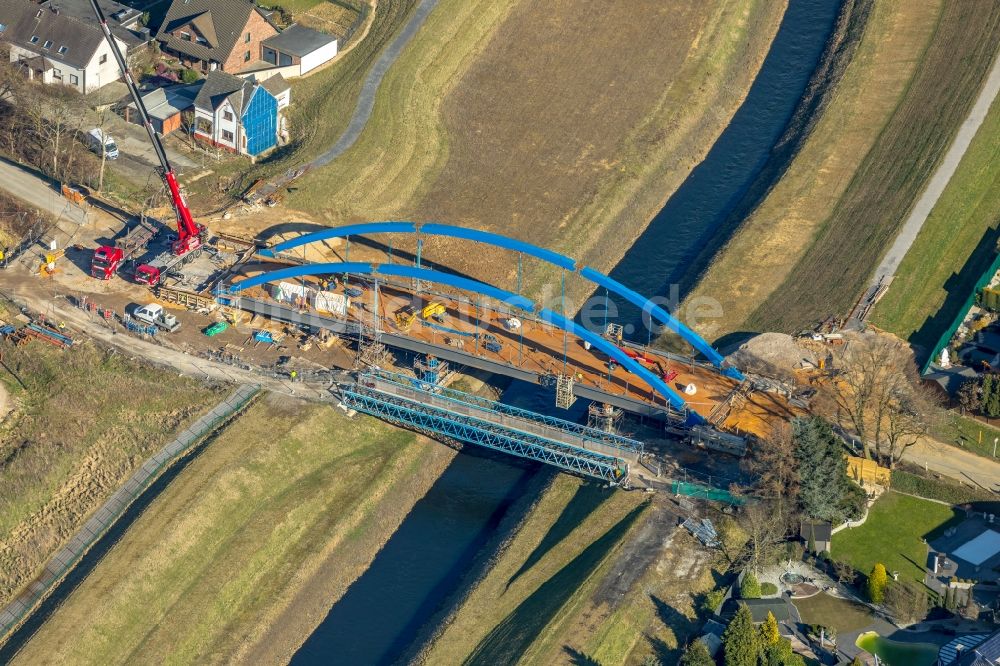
x=386, y=338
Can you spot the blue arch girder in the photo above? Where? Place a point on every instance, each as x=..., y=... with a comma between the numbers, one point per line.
x=515, y=300
x=497, y=240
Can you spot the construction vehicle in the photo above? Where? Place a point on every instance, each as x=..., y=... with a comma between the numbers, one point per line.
x=189, y=233
x=433, y=310
x=153, y=272
x=109, y=258
x=48, y=265
x=404, y=317
x=156, y=315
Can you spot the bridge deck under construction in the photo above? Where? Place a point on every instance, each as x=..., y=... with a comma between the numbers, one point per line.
x=535, y=352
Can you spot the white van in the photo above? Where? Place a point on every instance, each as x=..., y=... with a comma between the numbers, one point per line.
x=97, y=138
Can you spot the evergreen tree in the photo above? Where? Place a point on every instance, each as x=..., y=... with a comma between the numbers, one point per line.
x=878, y=580
x=749, y=586
x=769, y=634
x=822, y=469
x=739, y=642
x=991, y=396
x=780, y=654
x=811, y=543
x=697, y=654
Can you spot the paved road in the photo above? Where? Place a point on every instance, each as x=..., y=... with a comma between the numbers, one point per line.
x=366, y=101
x=941, y=176
x=956, y=463
x=37, y=192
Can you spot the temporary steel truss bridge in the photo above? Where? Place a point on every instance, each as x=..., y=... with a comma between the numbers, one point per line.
x=446, y=413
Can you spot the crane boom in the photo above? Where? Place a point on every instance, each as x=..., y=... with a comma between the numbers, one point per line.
x=188, y=231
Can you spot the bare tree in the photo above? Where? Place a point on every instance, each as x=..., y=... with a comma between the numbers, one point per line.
x=878, y=395
x=765, y=529
x=772, y=463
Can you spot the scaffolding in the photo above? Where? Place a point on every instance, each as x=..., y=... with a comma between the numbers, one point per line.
x=430, y=369
x=615, y=332
x=605, y=417
x=564, y=391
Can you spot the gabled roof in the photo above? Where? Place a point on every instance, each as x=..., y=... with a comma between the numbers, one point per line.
x=275, y=84
x=29, y=26
x=298, y=40
x=163, y=103
x=120, y=17
x=220, y=22
x=206, y=27
x=220, y=86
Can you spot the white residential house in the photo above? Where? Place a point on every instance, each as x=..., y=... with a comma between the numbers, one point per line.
x=54, y=47
x=241, y=115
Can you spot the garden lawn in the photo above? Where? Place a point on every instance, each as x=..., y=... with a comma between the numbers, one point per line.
x=967, y=433
x=892, y=535
x=840, y=614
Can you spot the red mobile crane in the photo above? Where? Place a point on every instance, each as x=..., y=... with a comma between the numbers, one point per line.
x=189, y=233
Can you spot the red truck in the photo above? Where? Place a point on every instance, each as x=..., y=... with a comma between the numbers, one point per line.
x=109, y=258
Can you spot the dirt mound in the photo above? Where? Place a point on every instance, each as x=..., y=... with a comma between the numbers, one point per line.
x=777, y=350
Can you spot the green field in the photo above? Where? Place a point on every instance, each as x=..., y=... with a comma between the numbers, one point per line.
x=764, y=249
x=244, y=552
x=956, y=244
x=71, y=440
x=892, y=535
x=835, y=268
x=968, y=433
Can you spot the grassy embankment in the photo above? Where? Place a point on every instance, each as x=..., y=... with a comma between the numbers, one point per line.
x=511, y=117
x=322, y=104
x=332, y=16
x=241, y=556
x=586, y=576
x=956, y=244
x=892, y=535
x=811, y=245
x=70, y=440
x=851, y=242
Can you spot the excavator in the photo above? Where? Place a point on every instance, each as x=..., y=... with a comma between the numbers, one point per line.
x=189, y=233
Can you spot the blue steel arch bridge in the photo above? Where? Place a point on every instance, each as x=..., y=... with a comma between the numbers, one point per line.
x=484, y=326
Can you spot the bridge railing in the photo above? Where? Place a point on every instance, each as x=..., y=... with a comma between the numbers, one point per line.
x=621, y=442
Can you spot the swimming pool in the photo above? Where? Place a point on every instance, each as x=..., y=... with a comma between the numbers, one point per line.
x=895, y=653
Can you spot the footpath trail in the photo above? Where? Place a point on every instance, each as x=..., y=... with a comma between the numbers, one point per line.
x=939, y=180
x=955, y=463
x=366, y=100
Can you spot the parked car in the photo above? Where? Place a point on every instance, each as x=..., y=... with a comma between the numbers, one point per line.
x=156, y=315
x=96, y=138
